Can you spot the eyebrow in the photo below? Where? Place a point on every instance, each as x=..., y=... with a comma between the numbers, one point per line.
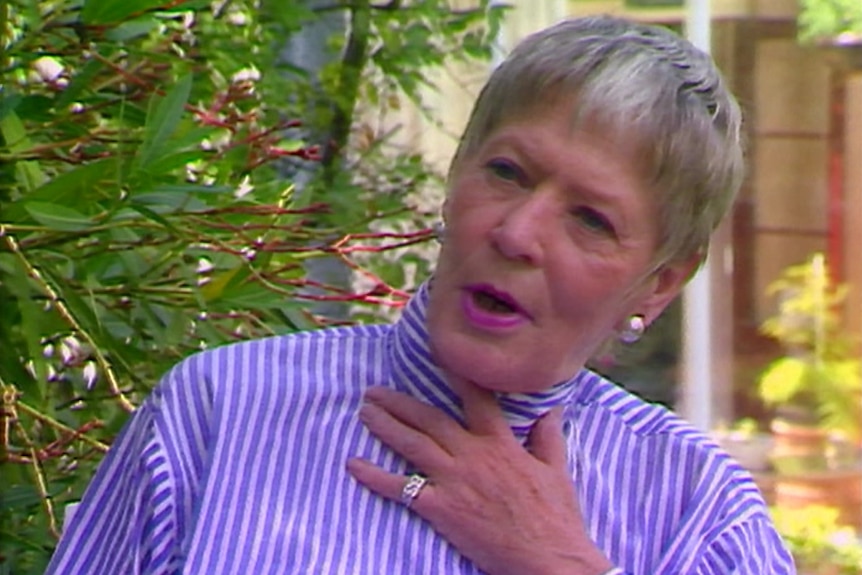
x=526, y=150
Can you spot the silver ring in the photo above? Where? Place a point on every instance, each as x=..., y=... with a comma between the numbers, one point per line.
x=411, y=490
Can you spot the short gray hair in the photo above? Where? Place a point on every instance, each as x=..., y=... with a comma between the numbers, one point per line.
x=638, y=81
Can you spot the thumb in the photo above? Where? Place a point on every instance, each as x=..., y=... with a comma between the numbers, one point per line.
x=546, y=440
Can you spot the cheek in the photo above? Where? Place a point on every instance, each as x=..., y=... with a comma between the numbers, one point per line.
x=468, y=226
x=589, y=304
x=465, y=193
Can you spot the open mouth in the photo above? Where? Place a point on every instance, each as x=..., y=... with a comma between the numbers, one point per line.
x=495, y=304
x=490, y=299
x=488, y=308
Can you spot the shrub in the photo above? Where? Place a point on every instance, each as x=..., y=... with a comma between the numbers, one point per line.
x=150, y=205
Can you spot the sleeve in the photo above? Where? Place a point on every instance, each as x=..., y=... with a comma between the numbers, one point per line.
x=133, y=514
x=750, y=547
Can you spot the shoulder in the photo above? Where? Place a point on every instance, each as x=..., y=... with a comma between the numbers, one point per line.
x=604, y=401
x=629, y=435
x=752, y=546
x=608, y=400
x=273, y=348
x=267, y=371
x=261, y=358
x=681, y=500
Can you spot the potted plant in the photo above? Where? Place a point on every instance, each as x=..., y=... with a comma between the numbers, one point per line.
x=835, y=25
x=818, y=543
x=817, y=383
x=815, y=390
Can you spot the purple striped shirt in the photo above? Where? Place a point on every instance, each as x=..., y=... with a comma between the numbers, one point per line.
x=236, y=464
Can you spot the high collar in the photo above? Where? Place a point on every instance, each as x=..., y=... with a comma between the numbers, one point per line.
x=416, y=373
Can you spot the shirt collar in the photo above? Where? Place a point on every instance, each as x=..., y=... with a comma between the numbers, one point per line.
x=416, y=373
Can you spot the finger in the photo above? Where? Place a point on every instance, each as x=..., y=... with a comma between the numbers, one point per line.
x=412, y=444
x=422, y=417
x=546, y=441
x=388, y=485
x=482, y=413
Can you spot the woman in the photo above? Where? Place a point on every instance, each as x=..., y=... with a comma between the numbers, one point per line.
x=468, y=437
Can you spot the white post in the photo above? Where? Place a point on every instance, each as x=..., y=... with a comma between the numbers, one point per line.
x=697, y=382
x=698, y=23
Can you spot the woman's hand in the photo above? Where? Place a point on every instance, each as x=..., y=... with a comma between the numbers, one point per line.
x=509, y=509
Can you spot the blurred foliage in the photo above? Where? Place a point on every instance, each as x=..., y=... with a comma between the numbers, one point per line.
x=165, y=176
x=820, y=371
x=838, y=21
x=818, y=543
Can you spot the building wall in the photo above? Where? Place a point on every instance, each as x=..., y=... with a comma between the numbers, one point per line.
x=792, y=90
x=853, y=199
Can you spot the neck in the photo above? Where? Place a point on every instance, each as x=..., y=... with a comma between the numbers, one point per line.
x=416, y=372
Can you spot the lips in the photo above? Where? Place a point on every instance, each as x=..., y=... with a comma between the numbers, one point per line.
x=491, y=309
x=496, y=300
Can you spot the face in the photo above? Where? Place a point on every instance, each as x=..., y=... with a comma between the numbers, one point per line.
x=550, y=233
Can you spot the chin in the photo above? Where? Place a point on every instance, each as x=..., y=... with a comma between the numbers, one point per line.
x=469, y=361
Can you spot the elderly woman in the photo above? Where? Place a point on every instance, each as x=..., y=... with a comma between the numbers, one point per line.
x=468, y=437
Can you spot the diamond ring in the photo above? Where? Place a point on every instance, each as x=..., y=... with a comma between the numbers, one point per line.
x=411, y=490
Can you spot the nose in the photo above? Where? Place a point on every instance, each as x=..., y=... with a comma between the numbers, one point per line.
x=520, y=234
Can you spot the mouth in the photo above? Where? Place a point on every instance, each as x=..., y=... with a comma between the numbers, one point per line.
x=494, y=301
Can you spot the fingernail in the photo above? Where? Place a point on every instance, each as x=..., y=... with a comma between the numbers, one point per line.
x=373, y=394
x=363, y=412
x=367, y=410
x=356, y=465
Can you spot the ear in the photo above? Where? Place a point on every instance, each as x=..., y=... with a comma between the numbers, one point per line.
x=664, y=285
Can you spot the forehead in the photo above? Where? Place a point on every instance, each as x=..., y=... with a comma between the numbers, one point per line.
x=589, y=163
x=596, y=128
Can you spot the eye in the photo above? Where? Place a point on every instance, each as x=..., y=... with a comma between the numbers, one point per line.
x=506, y=170
x=594, y=220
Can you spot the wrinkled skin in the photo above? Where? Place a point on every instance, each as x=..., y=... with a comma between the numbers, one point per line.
x=559, y=223
x=474, y=472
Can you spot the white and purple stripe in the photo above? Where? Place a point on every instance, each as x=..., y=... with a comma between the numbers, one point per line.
x=236, y=464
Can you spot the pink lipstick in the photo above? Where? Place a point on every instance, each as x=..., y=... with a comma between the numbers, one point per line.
x=489, y=308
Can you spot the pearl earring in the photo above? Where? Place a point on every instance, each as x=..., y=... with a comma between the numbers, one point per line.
x=634, y=329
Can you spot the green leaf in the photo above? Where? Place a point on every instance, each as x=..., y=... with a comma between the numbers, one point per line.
x=73, y=186
x=82, y=184
x=99, y=12
x=220, y=284
x=172, y=161
x=162, y=121
x=20, y=496
x=36, y=108
x=31, y=320
x=783, y=379
x=189, y=5
x=166, y=202
x=28, y=173
x=56, y=217
x=89, y=320
x=9, y=104
x=253, y=296
x=155, y=217
x=191, y=189
x=80, y=83
x=132, y=29
x=296, y=319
